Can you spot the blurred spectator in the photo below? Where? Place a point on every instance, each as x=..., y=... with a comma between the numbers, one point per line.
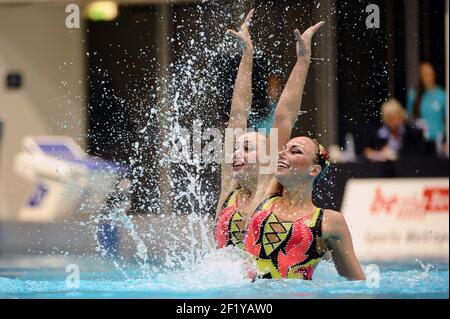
x=426, y=106
x=396, y=138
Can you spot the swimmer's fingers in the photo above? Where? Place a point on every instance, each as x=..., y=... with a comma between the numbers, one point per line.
x=312, y=30
x=243, y=30
x=244, y=42
x=236, y=35
x=243, y=36
x=248, y=19
x=303, y=44
x=309, y=33
x=300, y=45
x=303, y=49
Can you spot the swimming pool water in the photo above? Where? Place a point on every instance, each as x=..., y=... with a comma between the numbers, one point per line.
x=45, y=277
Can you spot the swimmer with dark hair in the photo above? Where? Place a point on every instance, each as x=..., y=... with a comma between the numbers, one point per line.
x=287, y=234
x=239, y=180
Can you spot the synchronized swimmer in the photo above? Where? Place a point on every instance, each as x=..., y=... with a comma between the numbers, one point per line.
x=272, y=216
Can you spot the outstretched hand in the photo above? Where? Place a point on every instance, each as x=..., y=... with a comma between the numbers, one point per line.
x=243, y=36
x=303, y=45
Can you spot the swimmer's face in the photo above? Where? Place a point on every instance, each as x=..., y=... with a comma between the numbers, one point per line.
x=297, y=162
x=427, y=75
x=245, y=157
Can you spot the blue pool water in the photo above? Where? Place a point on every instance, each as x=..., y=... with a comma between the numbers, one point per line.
x=45, y=277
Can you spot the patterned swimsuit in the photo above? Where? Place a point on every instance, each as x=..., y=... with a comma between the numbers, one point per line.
x=229, y=227
x=284, y=249
x=281, y=249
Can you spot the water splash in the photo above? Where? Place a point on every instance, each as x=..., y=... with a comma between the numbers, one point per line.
x=216, y=269
x=427, y=268
x=191, y=94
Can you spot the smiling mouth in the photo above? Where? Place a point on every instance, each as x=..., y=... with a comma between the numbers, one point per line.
x=282, y=165
x=238, y=165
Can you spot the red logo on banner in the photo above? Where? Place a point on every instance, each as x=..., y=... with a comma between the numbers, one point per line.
x=436, y=199
x=432, y=200
x=381, y=203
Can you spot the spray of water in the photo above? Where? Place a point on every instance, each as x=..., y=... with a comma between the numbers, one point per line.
x=191, y=93
x=182, y=201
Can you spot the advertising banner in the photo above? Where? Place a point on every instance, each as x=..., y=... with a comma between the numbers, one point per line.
x=398, y=219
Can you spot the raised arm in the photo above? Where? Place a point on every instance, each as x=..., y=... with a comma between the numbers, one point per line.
x=286, y=112
x=241, y=102
x=242, y=94
x=339, y=240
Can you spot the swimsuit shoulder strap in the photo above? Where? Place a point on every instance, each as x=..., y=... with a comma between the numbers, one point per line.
x=232, y=198
x=268, y=202
x=315, y=223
